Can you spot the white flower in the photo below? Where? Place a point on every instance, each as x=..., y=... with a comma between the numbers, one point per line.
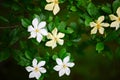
x=98, y=25
x=115, y=19
x=36, y=69
x=37, y=30
x=53, y=6
x=63, y=66
x=55, y=38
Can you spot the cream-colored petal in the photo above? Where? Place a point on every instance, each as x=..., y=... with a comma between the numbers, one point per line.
x=115, y=24
x=56, y=9
x=60, y=35
x=100, y=19
x=101, y=30
x=49, y=1
x=94, y=30
x=113, y=17
x=105, y=24
x=60, y=41
x=54, y=32
x=50, y=36
x=51, y=43
x=92, y=24
x=118, y=12
x=49, y=7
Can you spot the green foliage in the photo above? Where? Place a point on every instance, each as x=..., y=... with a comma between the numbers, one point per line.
x=99, y=47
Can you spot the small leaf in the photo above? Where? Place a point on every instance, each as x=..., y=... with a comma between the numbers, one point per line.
x=99, y=47
x=106, y=9
x=73, y=8
x=25, y=22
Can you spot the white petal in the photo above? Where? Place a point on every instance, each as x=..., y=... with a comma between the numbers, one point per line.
x=34, y=62
x=101, y=30
x=105, y=24
x=49, y=7
x=70, y=64
x=56, y=9
x=32, y=34
x=35, y=22
x=41, y=24
x=54, y=32
x=42, y=70
x=50, y=36
x=94, y=30
x=59, y=61
x=57, y=68
x=92, y=24
x=30, y=28
x=118, y=12
x=100, y=19
x=67, y=71
x=32, y=74
x=29, y=68
x=41, y=63
x=115, y=24
x=51, y=43
x=44, y=32
x=113, y=17
x=49, y=1
x=66, y=59
x=61, y=72
x=39, y=37
x=60, y=41
x=60, y=35
x=35, y=74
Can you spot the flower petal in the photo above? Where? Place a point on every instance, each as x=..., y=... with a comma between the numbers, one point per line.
x=113, y=17
x=50, y=36
x=49, y=7
x=49, y=1
x=118, y=12
x=57, y=68
x=59, y=61
x=105, y=24
x=101, y=30
x=100, y=19
x=30, y=28
x=56, y=9
x=67, y=71
x=35, y=74
x=41, y=24
x=42, y=70
x=94, y=30
x=39, y=37
x=115, y=24
x=70, y=64
x=44, y=32
x=35, y=23
x=51, y=43
x=60, y=41
x=41, y=63
x=92, y=24
x=29, y=68
x=66, y=59
x=54, y=32
x=61, y=72
x=34, y=62
x=32, y=34
x=60, y=35
x=32, y=74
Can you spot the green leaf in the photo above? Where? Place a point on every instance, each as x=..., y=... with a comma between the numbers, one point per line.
x=4, y=19
x=99, y=47
x=73, y=8
x=92, y=10
x=25, y=22
x=54, y=57
x=106, y=9
x=28, y=55
x=69, y=30
x=87, y=21
x=4, y=55
x=115, y=5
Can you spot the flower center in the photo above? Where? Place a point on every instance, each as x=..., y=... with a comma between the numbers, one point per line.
x=36, y=30
x=36, y=69
x=64, y=66
x=119, y=19
x=56, y=1
x=98, y=26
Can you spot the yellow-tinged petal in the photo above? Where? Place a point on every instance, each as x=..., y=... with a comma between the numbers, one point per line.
x=49, y=7
x=50, y=36
x=118, y=12
x=105, y=24
x=60, y=41
x=92, y=24
x=94, y=30
x=51, y=43
x=101, y=30
x=115, y=24
x=56, y=9
x=49, y=1
x=60, y=35
x=113, y=17
x=100, y=19
x=54, y=32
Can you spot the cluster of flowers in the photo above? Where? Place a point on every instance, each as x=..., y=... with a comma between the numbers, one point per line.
x=99, y=24
x=62, y=66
